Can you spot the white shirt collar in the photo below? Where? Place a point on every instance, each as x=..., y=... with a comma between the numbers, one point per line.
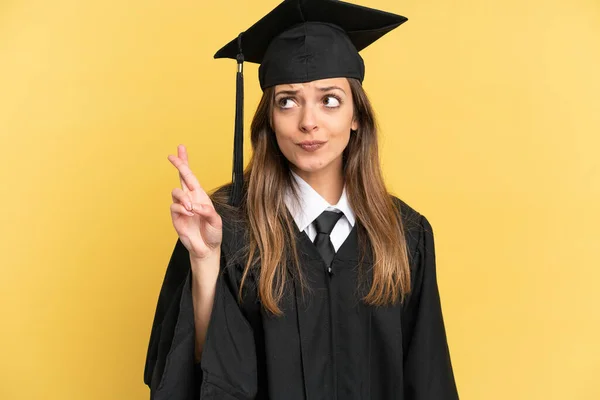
x=312, y=204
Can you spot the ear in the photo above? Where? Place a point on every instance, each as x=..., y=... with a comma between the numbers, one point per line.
x=354, y=125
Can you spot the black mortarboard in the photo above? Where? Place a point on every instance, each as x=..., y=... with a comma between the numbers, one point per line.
x=301, y=41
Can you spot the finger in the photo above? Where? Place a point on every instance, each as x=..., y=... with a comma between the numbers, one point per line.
x=180, y=209
x=173, y=159
x=209, y=213
x=182, y=153
x=179, y=196
x=189, y=180
x=183, y=184
x=186, y=173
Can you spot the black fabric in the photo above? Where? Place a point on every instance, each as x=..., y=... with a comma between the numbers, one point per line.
x=310, y=51
x=324, y=224
x=305, y=40
x=327, y=345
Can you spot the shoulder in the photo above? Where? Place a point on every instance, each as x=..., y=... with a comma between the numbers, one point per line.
x=220, y=194
x=235, y=227
x=410, y=216
x=414, y=223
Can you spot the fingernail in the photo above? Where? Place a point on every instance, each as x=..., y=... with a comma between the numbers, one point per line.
x=188, y=206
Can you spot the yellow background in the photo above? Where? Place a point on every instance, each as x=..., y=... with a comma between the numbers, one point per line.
x=490, y=115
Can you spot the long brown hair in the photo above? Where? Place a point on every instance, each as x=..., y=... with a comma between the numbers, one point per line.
x=271, y=250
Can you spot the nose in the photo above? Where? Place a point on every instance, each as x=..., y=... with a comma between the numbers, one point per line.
x=308, y=119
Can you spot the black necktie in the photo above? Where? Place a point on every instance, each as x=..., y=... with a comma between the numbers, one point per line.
x=324, y=224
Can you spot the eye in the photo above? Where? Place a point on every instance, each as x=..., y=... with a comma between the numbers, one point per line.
x=332, y=101
x=285, y=102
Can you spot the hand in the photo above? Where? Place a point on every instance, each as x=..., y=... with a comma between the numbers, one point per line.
x=195, y=219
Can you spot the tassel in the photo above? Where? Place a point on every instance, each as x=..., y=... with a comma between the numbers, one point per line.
x=235, y=196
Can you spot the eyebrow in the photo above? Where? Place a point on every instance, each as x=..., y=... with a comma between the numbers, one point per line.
x=328, y=88
x=288, y=92
x=322, y=89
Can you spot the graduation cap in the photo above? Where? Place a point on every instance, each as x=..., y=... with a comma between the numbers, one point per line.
x=301, y=41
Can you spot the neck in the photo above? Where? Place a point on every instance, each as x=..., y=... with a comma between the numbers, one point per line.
x=329, y=182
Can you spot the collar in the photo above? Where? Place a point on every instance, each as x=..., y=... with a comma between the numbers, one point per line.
x=311, y=204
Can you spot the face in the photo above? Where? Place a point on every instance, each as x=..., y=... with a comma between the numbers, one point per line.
x=312, y=123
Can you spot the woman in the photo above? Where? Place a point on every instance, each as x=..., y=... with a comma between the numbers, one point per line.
x=305, y=278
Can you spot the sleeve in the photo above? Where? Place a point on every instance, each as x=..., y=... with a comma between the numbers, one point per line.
x=227, y=370
x=428, y=371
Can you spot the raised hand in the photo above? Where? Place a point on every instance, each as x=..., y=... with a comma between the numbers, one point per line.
x=195, y=219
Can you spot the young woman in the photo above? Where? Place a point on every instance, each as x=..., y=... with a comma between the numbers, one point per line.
x=305, y=278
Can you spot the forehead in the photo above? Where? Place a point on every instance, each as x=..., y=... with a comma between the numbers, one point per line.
x=320, y=83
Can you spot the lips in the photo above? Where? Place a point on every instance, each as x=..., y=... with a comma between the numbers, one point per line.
x=311, y=145
x=311, y=142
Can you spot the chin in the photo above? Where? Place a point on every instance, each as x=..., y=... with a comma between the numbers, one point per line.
x=310, y=165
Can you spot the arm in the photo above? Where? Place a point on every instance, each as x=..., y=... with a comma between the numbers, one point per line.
x=428, y=371
x=169, y=369
x=204, y=281
x=215, y=361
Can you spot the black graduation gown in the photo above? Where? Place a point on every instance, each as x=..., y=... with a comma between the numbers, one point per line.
x=328, y=345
